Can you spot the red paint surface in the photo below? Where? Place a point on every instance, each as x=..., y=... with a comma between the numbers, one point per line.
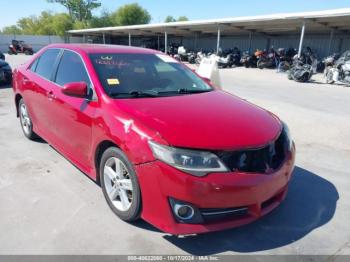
x=214, y=120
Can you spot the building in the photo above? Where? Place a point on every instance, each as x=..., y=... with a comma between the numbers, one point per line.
x=325, y=32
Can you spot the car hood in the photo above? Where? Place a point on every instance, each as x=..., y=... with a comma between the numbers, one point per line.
x=214, y=120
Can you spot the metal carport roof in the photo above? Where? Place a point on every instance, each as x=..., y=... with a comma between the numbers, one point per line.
x=276, y=24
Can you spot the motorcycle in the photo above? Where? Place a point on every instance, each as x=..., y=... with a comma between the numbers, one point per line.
x=236, y=56
x=224, y=62
x=300, y=71
x=248, y=60
x=340, y=71
x=5, y=72
x=229, y=58
x=192, y=56
x=20, y=47
x=181, y=54
x=285, y=59
x=266, y=59
x=328, y=61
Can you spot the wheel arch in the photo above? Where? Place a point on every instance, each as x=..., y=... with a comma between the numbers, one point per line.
x=101, y=147
x=18, y=98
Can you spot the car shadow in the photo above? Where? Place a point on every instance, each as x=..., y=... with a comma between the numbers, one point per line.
x=310, y=203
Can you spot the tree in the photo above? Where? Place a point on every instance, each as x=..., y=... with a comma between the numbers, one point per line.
x=45, y=24
x=182, y=18
x=104, y=20
x=169, y=19
x=131, y=14
x=79, y=10
x=11, y=30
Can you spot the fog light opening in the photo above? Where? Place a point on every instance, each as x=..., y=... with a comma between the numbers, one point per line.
x=184, y=212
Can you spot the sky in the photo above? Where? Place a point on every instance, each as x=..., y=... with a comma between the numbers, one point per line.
x=11, y=10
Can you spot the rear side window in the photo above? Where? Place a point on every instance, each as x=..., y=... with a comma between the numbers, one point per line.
x=46, y=63
x=33, y=65
x=71, y=69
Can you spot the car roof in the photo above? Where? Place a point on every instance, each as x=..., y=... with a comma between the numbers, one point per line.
x=98, y=48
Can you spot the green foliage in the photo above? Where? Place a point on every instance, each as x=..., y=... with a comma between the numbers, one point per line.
x=79, y=10
x=104, y=20
x=11, y=30
x=45, y=24
x=170, y=19
x=131, y=14
x=79, y=17
x=182, y=18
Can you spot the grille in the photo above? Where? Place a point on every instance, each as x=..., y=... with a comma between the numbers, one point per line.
x=262, y=160
x=215, y=214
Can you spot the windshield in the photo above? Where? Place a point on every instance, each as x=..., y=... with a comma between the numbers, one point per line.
x=140, y=75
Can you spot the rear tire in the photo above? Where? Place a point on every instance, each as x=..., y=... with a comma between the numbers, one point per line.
x=120, y=185
x=304, y=78
x=26, y=121
x=261, y=65
x=329, y=76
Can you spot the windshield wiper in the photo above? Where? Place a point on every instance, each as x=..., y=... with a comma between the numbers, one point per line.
x=144, y=93
x=192, y=91
x=136, y=93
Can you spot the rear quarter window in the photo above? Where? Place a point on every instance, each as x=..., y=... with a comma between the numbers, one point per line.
x=33, y=66
x=46, y=63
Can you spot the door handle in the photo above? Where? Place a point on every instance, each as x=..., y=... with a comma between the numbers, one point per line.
x=50, y=95
x=25, y=81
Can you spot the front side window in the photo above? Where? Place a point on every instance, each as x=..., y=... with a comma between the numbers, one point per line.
x=71, y=69
x=138, y=75
x=46, y=63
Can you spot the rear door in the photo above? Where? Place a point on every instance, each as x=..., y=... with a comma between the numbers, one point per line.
x=37, y=85
x=73, y=116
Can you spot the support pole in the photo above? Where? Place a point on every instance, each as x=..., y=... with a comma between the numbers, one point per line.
x=330, y=42
x=340, y=46
x=158, y=42
x=218, y=41
x=104, y=38
x=250, y=43
x=84, y=39
x=268, y=44
x=301, y=39
x=129, y=39
x=165, y=42
x=195, y=41
x=67, y=38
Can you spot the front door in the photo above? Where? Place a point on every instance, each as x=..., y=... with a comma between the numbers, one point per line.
x=73, y=116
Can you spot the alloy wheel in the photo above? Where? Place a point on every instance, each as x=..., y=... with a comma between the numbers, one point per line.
x=25, y=119
x=118, y=183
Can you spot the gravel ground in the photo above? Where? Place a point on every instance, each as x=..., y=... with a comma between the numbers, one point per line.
x=49, y=207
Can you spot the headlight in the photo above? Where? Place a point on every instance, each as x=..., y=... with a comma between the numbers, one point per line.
x=197, y=163
x=288, y=135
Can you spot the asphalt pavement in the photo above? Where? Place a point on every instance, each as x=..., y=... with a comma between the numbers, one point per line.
x=48, y=206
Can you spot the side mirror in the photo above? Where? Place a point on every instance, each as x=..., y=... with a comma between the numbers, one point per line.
x=76, y=89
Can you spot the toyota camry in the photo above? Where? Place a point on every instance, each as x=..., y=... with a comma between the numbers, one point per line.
x=164, y=144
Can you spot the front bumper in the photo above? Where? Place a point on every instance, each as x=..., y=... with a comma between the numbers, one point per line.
x=258, y=193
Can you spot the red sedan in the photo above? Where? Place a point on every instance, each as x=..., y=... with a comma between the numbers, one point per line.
x=163, y=144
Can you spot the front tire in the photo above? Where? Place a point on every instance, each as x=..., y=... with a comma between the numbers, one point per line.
x=120, y=184
x=26, y=121
x=261, y=65
x=329, y=76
